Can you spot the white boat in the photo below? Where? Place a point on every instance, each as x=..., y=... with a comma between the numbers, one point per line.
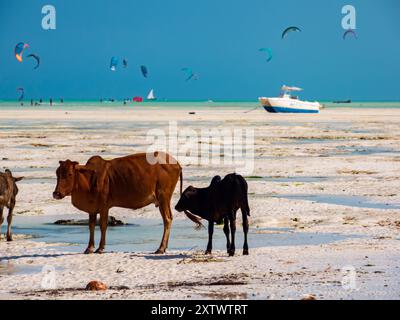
x=151, y=96
x=287, y=103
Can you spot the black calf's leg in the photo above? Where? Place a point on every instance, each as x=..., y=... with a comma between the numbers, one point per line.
x=210, y=235
x=226, y=231
x=245, y=231
x=233, y=231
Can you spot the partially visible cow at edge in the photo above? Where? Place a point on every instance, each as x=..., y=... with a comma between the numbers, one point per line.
x=219, y=202
x=128, y=182
x=8, y=194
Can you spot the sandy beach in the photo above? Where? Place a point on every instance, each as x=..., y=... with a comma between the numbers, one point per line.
x=333, y=173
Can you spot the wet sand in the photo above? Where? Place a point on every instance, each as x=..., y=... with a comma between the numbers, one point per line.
x=336, y=172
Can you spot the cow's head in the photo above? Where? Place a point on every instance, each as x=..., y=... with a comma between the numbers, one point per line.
x=188, y=200
x=14, y=179
x=65, y=179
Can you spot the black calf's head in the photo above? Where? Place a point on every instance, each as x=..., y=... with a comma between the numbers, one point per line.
x=215, y=180
x=187, y=200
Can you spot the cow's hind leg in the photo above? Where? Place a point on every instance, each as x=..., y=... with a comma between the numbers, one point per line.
x=210, y=235
x=103, y=229
x=232, y=222
x=92, y=225
x=226, y=231
x=1, y=218
x=245, y=231
x=9, y=220
x=166, y=213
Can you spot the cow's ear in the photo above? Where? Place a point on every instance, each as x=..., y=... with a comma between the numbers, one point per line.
x=18, y=179
x=216, y=179
x=83, y=169
x=61, y=162
x=191, y=190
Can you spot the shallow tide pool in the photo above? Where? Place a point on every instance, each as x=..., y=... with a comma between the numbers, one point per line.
x=145, y=235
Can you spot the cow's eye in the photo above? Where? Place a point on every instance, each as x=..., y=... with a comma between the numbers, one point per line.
x=69, y=174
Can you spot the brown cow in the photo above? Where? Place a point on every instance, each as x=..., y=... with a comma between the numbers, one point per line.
x=8, y=193
x=129, y=182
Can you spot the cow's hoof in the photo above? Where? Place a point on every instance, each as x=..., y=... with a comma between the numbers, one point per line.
x=207, y=252
x=89, y=251
x=231, y=253
x=245, y=252
x=160, y=251
x=9, y=239
x=99, y=251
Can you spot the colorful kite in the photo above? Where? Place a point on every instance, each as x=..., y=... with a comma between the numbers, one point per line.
x=19, y=50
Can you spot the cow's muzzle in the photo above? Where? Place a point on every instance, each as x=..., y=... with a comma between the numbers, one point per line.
x=57, y=195
x=179, y=208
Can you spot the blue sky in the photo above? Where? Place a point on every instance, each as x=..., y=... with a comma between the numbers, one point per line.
x=219, y=39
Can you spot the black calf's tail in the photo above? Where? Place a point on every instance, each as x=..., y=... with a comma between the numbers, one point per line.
x=244, y=194
x=191, y=216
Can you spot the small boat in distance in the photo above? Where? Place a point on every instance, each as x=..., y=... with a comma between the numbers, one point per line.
x=342, y=101
x=287, y=103
x=151, y=96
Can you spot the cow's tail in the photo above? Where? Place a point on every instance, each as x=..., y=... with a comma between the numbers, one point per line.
x=191, y=216
x=181, y=186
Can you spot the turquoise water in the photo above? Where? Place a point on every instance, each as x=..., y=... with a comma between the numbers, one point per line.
x=145, y=235
x=90, y=104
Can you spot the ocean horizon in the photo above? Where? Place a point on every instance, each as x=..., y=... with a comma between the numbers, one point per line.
x=178, y=104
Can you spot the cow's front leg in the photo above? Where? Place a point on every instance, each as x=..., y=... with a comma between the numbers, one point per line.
x=9, y=220
x=166, y=214
x=1, y=218
x=226, y=231
x=232, y=222
x=210, y=235
x=103, y=228
x=92, y=225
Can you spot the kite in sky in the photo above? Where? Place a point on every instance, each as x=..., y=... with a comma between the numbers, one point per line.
x=350, y=31
x=144, y=71
x=36, y=57
x=19, y=50
x=189, y=74
x=289, y=30
x=268, y=52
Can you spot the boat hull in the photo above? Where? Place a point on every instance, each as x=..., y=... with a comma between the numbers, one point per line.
x=288, y=110
x=286, y=105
